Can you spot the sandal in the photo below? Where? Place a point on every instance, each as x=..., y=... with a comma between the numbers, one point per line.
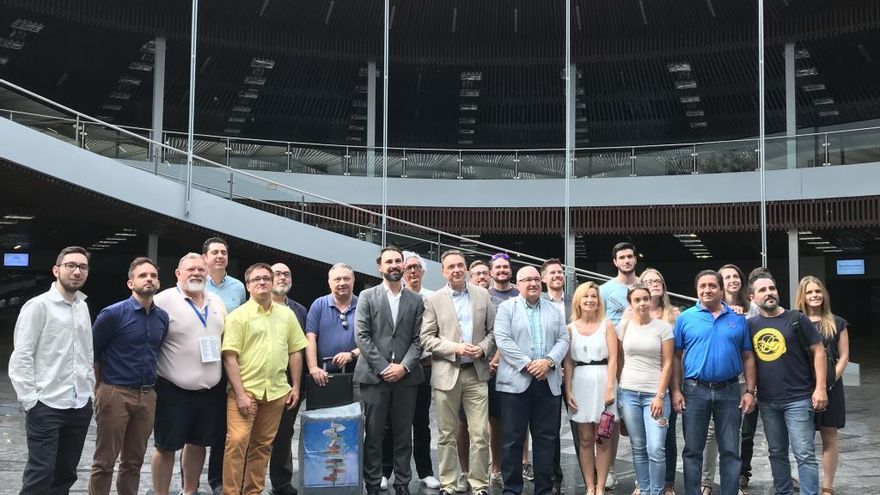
x=668, y=490
x=705, y=490
x=829, y=491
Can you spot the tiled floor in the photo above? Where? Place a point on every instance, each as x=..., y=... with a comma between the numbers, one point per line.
x=859, y=471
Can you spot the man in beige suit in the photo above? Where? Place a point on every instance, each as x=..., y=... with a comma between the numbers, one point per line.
x=457, y=331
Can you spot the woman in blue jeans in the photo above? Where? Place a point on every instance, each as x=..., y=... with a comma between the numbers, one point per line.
x=646, y=349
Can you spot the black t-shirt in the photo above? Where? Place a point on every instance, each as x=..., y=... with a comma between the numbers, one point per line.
x=785, y=371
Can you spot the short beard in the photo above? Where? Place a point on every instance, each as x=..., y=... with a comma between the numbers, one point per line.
x=280, y=291
x=145, y=291
x=768, y=306
x=68, y=287
x=393, y=276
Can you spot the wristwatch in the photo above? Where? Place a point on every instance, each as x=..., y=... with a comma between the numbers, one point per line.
x=552, y=362
x=751, y=392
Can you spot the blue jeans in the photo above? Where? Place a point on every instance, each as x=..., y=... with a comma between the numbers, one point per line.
x=647, y=436
x=722, y=405
x=785, y=423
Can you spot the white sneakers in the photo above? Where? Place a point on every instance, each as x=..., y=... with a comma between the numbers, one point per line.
x=383, y=485
x=430, y=482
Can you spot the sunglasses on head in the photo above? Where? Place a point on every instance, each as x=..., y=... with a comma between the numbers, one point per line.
x=503, y=256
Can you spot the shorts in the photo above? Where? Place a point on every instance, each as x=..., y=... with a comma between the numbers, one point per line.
x=494, y=400
x=186, y=416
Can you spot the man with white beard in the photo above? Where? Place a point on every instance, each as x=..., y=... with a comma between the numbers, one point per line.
x=188, y=385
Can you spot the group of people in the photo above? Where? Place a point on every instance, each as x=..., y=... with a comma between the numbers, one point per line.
x=216, y=366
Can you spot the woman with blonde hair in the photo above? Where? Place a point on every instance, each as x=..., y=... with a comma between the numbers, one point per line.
x=591, y=381
x=813, y=300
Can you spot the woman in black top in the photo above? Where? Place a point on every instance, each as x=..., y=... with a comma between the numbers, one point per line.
x=814, y=301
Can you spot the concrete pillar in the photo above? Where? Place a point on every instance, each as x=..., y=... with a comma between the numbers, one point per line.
x=568, y=237
x=371, y=118
x=790, y=108
x=158, y=100
x=793, y=265
x=153, y=247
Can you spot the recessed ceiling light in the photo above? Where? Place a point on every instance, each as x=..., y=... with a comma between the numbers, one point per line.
x=811, y=238
x=18, y=217
x=818, y=242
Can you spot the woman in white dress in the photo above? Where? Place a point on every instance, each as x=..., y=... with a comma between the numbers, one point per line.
x=591, y=381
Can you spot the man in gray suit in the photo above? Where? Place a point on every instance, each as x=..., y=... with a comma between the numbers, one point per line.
x=457, y=331
x=389, y=318
x=531, y=336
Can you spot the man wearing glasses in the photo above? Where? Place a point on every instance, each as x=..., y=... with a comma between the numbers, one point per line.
x=56, y=393
x=531, y=336
x=330, y=327
x=261, y=344
x=281, y=462
x=479, y=271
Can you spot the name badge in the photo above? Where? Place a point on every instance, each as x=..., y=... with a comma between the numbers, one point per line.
x=209, y=347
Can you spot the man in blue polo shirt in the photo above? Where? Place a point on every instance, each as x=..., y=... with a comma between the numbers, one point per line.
x=712, y=348
x=330, y=326
x=126, y=336
x=216, y=253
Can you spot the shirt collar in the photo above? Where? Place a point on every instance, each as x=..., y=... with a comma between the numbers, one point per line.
x=389, y=292
x=55, y=294
x=458, y=292
x=352, y=305
x=537, y=304
x=222, y=281
x=136, y=306
x=724, y=307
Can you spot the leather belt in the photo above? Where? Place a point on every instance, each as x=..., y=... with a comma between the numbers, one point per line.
x=715, y=385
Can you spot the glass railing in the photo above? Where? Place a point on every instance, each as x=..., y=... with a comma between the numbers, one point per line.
x=836, y=147
x=133, y=148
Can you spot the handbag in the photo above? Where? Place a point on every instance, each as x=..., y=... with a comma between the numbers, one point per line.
x=339, y=390
x=606, y=426
x=830, y=360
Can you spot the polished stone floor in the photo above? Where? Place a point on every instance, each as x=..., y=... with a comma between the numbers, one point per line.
x=859, y=471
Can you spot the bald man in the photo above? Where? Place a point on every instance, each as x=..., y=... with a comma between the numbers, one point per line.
x=531, y=336
x=281, y=462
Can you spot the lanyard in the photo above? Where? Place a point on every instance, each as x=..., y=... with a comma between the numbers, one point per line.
x=203, y=317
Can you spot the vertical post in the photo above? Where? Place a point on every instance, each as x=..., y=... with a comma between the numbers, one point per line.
x=371, y=118
x=153, y=247
x=76, y=135
x=288, y=153
x=158, y=100
x=762, y=133
x=385, y=68
x=570, y=88
x=790, y=109
x=793, y=265
x=193, y=35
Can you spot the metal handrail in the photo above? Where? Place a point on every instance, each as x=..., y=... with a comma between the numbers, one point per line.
x=307, y=144
x=534, y=259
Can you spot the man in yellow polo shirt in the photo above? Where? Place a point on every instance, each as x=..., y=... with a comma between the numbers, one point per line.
x=262, y=340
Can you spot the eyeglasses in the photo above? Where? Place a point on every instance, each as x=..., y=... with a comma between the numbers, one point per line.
x=503, y=256
x=73, y=266
x=652, y=281
x=413, y=268
x=530, y=280
x=257, y=280
x=343, y=321
x=282, y=274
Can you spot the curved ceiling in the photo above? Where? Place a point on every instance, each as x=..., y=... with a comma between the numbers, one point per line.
x=463, y=74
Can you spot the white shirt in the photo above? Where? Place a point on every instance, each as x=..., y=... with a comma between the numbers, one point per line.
x=462, y=304
x=53, y=357
x=393, y=301
x=180, y=360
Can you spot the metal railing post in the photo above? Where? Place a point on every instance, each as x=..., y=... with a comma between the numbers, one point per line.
x=516, y=165
x=826, y=145
x=403, y=161
x=288, y=153
x=694, y=160
x=460, y=166
x=632, y=162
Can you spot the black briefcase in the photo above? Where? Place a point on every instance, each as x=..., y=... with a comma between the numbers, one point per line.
x=339, y=390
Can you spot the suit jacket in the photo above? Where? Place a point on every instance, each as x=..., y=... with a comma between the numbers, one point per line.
x=441, y=332
x=566, y=299
x=514, y=339
x=379, y=339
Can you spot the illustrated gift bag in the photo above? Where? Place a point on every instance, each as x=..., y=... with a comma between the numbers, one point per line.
x=331, y=450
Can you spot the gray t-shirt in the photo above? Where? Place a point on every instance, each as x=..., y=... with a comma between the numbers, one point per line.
x=643, y=354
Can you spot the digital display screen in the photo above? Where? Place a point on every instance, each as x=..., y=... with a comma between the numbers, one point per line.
x=851, y=267
x=16, y=259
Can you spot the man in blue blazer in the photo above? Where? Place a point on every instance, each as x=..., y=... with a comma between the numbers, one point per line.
x=389, y=319
x=531, y=336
